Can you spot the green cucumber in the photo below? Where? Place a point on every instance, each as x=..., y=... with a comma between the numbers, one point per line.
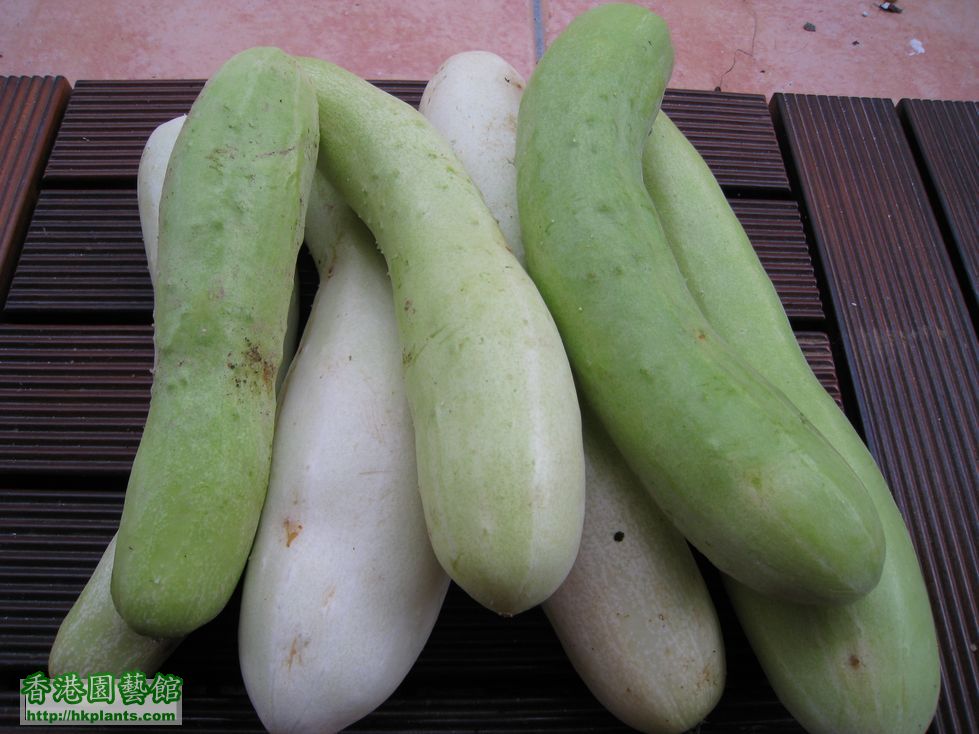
x=736, y=466
x=231, y=222
x=93, y=637
x=869, y=666
x=492, y=398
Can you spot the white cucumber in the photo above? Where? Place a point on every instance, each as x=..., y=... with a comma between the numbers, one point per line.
x=497, y=424
x=342, y=588
x=634, y=615
x=149, y=184
x=481, y=128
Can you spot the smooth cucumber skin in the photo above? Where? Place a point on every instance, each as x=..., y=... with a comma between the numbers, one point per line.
x=231, y=223
x=634, y=615
x=493, y=401
x=342, y=588
x=462, y=100
x=730, y=460
x=869, y=666
x=149, y=185
x=93, y=638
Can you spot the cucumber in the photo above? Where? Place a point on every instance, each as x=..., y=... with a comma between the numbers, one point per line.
x=93, y=638
x=231, y=220
x=342, y=588
x=736, y=467
x=634, y=615
x=149, y=185
x=149, y=189
x=870, y=666
x=481, y=128
x=492, y=398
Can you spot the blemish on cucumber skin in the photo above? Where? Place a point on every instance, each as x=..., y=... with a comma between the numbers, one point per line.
x=293, y=529
x=618, y=536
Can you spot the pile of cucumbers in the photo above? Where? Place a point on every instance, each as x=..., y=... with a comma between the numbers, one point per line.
x=543, y=358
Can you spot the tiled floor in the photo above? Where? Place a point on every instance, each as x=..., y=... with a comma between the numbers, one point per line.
x=930, y=50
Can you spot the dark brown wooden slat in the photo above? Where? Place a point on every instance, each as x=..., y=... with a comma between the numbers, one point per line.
x=73, y=399
x=30, y=111
x=819, y=353
x=82, y=255
x=911, y=346
x=83, y=258
x=734, y=134
x=107, y=123
x=945, y=135
x=776, y=231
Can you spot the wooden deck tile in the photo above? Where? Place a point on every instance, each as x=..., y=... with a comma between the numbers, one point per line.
x=911, y=348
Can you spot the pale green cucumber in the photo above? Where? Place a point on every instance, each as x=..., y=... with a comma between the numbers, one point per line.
x=231, y=222
x=149, y=190
x=731, y=461
x=870, y=666
x=634, y=615
x=342, y=588
x=93, y=638
x=497, y=425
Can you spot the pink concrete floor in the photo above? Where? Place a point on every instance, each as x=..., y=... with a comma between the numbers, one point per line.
x=930, y=50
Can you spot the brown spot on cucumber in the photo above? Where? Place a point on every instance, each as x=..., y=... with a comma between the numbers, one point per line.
x=855, y=662
x=295, y=652
x=292, y=529
x=260, y=365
